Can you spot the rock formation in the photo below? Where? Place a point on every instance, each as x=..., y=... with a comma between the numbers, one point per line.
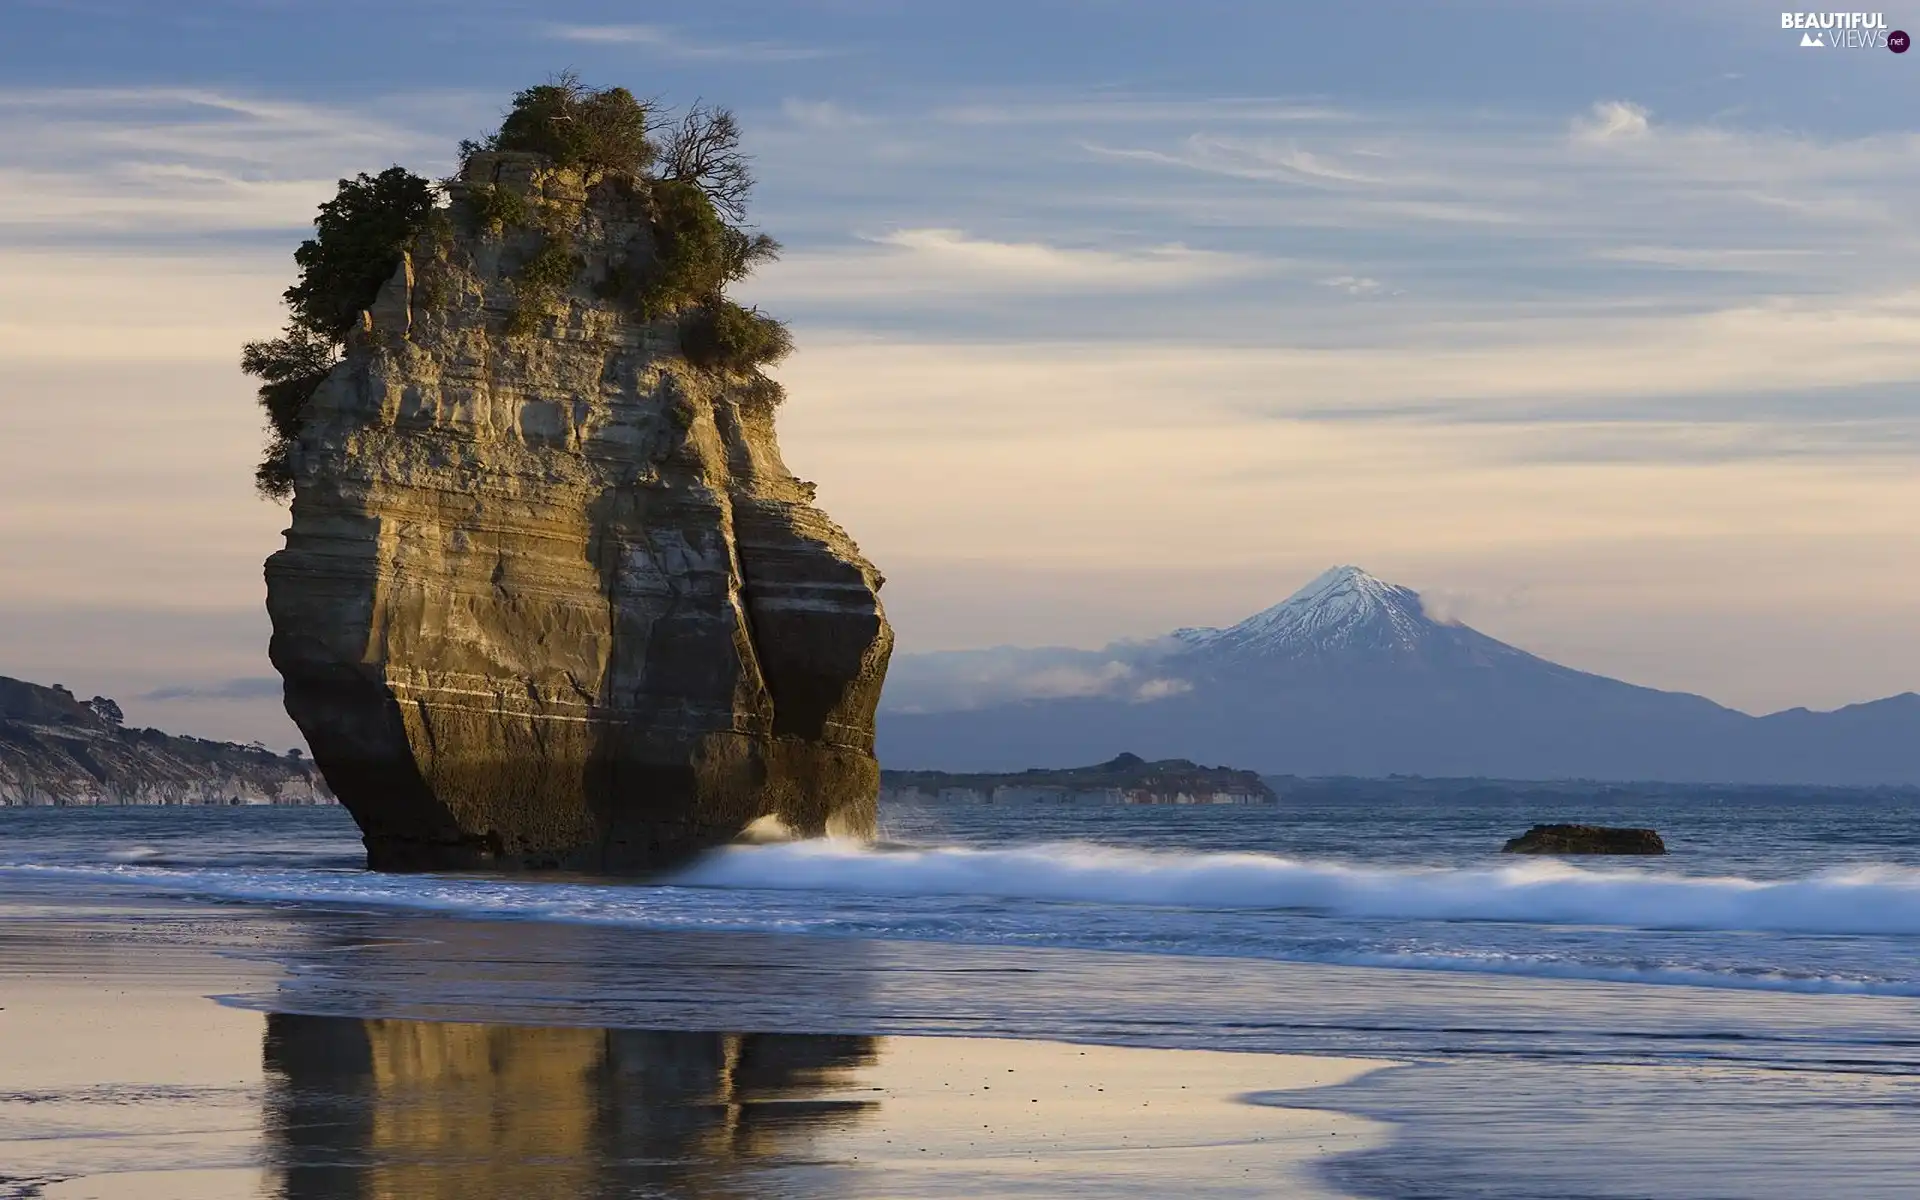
x=550, y=597
x=1585, y=839
x=57, y=751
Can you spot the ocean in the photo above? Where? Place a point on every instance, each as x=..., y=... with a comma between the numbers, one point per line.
x=1740, y=1018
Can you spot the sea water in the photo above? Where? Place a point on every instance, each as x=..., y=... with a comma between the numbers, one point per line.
x=1737, y=1018
x=1796, y=895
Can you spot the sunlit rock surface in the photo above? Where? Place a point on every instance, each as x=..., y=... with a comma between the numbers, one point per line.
x=550, y=598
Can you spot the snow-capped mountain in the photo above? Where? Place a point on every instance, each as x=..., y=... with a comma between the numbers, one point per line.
x=1351, y=676
x=1342, y=609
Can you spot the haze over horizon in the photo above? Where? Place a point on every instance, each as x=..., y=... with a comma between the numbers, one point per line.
x=1592, y=323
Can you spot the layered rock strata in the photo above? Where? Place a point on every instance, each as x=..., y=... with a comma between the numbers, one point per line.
x=550, y=598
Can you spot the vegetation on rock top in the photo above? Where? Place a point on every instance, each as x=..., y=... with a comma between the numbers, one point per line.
x=358, y=239
x=694, y=179
x=573, y=125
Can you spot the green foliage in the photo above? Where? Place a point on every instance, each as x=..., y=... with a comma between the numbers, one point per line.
x=595, y=129
x=541, y=279
x=550, y=269
x=699, y=253
x=291, y=367
x=764, y=390
x=432, y=288
x=496, y=209
x=358, y=239
x=721, y=335
x=360, y=235
x=694, y=184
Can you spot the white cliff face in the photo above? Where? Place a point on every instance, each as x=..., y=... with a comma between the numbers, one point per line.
x=55, y=751
x=550, y=596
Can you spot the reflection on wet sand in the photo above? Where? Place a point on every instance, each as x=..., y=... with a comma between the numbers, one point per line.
x=397, y=1109
x=414, y=1110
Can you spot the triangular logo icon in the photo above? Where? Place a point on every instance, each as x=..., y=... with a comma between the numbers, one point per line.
x=1813, y=39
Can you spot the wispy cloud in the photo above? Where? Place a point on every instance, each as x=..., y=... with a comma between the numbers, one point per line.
x=674, y=44
x=1139, y=110
x=950, y=265
x=156, y=162
x=825, y=114
x=1519, y=369
x=1042, y=265
x=1357, y=285
x=955, y=681
x=1612, y=121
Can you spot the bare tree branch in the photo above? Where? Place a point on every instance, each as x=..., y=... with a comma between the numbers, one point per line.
x=703, y=148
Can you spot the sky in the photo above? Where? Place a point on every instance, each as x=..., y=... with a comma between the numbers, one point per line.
x=1596, y=323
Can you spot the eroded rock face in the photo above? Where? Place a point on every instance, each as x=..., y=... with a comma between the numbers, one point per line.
x=549, y=596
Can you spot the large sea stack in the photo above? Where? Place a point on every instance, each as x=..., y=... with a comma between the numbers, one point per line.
x=550, y=598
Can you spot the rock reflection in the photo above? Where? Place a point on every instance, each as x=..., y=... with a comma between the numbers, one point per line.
x=421, y=1110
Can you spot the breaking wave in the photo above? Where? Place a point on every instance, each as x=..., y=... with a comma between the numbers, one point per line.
x=1254, y=905
x=1860, y=900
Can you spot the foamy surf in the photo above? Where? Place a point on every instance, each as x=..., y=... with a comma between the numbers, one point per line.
x=137, y=854
x=1860, y=900
x=1075, y=895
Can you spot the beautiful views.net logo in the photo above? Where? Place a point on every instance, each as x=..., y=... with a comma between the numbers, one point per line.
x=1845, y=31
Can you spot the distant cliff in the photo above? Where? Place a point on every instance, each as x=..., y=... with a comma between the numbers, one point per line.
x=58, y=750
x=1127, y=779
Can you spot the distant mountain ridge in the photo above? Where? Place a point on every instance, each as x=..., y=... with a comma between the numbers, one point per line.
x=56, y=750
x=1351, y=676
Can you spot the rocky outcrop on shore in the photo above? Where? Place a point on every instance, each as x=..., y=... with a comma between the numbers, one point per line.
x=550, y=597
x=59, y=751
x=1127, y=779
x=1585, y=839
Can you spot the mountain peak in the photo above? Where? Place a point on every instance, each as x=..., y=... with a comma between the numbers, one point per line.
x=1343, y=608
x=1343, y=578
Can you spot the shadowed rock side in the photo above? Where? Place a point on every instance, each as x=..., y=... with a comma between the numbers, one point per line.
x=550, y=598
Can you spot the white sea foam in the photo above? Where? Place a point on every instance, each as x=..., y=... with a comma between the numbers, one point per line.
x=1526, y=967
x=857, y=890
x=137, y=854
x=1860, y=900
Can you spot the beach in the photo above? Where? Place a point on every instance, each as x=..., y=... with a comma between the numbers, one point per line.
x=125, y=1076
x=1247, y=1004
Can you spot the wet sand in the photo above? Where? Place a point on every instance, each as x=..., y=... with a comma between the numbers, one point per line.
x=121, y=1078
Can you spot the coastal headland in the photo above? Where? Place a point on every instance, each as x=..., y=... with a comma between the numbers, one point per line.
x=1125, y=779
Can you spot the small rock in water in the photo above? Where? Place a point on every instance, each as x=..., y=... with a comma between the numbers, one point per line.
x=1585, y=839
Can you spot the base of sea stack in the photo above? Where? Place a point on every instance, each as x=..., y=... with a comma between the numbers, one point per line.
x=620, y=830
x=601, y=796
